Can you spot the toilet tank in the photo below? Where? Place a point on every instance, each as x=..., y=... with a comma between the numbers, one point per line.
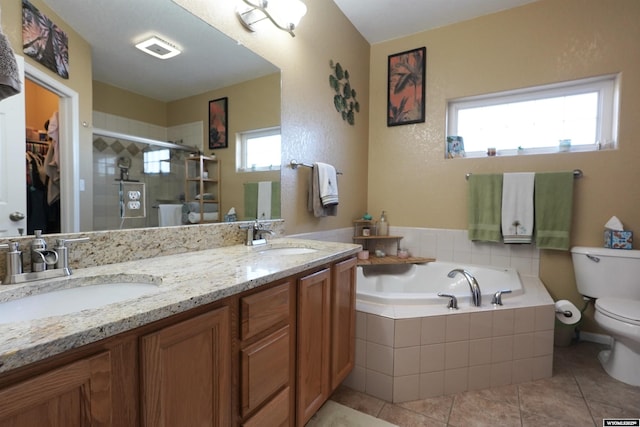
x=602, y=272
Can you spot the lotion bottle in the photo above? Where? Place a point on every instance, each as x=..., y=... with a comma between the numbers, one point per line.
x=383, y=225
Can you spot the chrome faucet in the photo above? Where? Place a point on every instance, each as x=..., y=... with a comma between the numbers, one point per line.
x=476, y=295
x=255, y=232
x=45, y=263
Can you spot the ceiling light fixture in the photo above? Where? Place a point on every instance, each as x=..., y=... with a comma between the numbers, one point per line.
x=159, y=48
x=284, y=14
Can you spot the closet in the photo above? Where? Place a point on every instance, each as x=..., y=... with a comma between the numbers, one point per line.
x=42, y=181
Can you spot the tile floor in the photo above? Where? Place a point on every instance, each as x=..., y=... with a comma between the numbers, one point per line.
x=579, y=393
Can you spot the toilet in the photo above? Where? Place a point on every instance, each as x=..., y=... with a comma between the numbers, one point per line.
x=612, y=277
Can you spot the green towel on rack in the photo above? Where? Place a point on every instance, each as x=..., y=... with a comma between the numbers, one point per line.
x=251, y=200
x=484, y=207
x=553, y=199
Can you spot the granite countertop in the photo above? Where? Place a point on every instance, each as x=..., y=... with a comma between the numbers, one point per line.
x=184, y=281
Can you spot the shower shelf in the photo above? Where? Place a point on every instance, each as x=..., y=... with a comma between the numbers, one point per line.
x=358, y=237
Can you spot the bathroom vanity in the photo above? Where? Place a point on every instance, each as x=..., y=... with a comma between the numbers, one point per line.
x=233, y=336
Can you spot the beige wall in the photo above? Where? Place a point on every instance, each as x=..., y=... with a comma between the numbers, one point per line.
x=251, y=105
x=543, y=42
x=312, y=130
x=40, y=105
x=113, y=100
x=79, y=81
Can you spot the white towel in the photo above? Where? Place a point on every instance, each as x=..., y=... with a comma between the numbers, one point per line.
x=169, y=214
x=517, y=207
x=264, y=200
x=328, y=184
x=194, y=217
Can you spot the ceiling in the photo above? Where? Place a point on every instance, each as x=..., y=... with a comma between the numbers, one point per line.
x=210, y=59
x=381, y=20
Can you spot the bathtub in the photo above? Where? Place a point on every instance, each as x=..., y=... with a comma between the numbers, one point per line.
x=410, y=346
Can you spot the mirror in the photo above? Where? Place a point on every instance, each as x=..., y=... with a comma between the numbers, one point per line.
x=210, y=66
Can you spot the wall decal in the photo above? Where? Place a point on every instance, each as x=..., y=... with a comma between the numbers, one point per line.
x=345, y=96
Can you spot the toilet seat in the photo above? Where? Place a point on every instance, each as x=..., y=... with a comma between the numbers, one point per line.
x=625, y=310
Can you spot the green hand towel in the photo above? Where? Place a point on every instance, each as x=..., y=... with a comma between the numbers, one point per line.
x=553, y=199
x=250, y=200
x=275, y=200
x=485, y=207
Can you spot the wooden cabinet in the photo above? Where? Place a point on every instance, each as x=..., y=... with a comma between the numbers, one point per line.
x=77, y=394
x=202, y=188
x=186, y=372
x=343, y=320
x=326, y=335
x=267, y=364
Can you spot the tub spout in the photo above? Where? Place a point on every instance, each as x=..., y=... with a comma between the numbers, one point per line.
x=476, y=295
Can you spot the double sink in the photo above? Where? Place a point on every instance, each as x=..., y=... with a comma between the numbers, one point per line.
x=105, y=290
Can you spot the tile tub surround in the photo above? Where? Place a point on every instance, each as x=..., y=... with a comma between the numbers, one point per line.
x=186, y=281
x=412, y=358
x=448, y=245
x=114, y=246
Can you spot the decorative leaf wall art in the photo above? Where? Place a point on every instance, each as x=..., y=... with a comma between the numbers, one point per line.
x=344, y=98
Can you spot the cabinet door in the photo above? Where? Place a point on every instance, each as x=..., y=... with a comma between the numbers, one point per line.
x=312, y=378
x=186, y=373
x=343, y=320
x=78, y=394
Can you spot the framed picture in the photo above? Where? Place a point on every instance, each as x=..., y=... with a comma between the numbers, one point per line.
x=218, y=137
x=44, y=41
x=406, y=87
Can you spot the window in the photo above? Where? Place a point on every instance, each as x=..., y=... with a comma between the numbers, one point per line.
x=259, y=150
x=535, y=120
x=157, y=161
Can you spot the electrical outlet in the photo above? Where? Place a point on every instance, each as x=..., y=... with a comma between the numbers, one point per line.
x=132, y=199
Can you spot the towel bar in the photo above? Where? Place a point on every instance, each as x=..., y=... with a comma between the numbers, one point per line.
x=294, y=165
x=577, y=173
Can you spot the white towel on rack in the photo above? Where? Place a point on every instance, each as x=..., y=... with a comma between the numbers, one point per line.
x=327, y=183
x=169, y=214
x=517, y=207
x=264, y=200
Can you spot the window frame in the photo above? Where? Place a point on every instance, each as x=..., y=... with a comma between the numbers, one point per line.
x=607, y=87
x=241, y=152
x=159, y=162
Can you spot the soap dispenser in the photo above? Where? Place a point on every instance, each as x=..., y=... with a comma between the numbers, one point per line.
x=383, y=225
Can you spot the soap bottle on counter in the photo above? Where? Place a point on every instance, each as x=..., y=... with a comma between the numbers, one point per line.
x=383, y=225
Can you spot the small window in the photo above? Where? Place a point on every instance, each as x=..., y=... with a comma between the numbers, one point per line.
x=573, y=116
x=157, y=161
x=259, y=150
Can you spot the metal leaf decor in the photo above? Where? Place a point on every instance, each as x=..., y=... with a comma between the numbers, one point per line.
x=344, y=98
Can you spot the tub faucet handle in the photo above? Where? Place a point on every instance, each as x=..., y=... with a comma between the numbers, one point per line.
x=497, y=297
x=453, y=301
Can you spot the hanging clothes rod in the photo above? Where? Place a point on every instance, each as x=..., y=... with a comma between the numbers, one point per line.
x=294, y=165
x=577, y=173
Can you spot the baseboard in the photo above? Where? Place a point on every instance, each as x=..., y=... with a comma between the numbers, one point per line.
x=597, y=338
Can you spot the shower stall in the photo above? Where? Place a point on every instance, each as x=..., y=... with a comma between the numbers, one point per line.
x=132, y=176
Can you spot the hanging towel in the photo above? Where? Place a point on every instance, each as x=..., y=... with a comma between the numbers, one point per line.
x=9, y=76
x=251, y=200
x=264, y=200
x=328, y=184
x=169, y=214
x=314, y=202
x=484, y=207
x=517, y=207
x=553, y=209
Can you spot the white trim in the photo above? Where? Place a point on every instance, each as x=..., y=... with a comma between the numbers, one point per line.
x=241, y=152
x=69, y=117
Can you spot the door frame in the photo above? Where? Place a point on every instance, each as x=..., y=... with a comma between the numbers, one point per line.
x=69, y=144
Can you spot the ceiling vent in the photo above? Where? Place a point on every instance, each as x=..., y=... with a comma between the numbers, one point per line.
x=159, y=48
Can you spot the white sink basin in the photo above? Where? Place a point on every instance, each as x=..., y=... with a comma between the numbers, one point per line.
x=72, y=300
x=287, y=251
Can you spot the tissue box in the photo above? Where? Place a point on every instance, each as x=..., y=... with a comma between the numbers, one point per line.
x=618, y=239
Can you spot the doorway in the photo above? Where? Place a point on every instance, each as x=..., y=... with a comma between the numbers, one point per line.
x=42, y=153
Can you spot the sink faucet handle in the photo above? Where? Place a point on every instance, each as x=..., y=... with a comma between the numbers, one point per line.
x=453, y=301
x=497, y=297
x=63, y=252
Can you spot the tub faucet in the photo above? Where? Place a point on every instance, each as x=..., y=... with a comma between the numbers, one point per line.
x=476, y=295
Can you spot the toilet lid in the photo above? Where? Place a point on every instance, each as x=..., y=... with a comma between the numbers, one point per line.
x=625, y=310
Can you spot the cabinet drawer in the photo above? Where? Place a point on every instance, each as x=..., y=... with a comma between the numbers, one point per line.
x=275, y=413
x=260, y=311
x=264, y=369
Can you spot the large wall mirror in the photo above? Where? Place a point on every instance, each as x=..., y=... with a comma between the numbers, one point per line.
x=142, y=96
